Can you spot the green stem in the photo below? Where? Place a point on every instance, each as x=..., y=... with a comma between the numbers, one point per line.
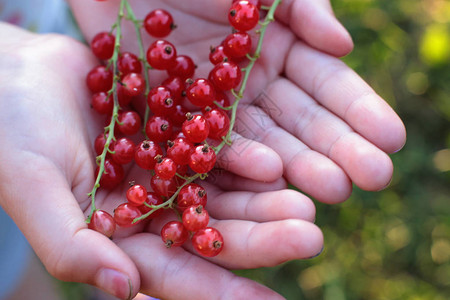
x=109, y=130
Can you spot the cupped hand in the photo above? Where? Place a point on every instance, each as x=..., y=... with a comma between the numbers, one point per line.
x=47, y=129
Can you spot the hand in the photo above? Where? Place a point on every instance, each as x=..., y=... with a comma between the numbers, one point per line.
x=47, y=130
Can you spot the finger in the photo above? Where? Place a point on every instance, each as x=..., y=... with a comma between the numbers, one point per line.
x=260, y=207
x=338, y=88
x=315, y=23
x=177, y=274
x=53, y=223
x=231, y=182
x=310, y=171
x=249, y=244
x=367, y=166
x=250, y=159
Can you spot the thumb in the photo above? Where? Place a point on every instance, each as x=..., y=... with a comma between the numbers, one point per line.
x=44, y=208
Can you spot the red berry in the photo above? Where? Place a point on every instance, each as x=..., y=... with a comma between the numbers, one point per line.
x=217, y=55
x=201, y=92
x=128, y=63
x=178, y=116
x=237, y=45
x=195, y=218
x=128, y=122
x=158, y=129
x=102, y=222
x=174, y=234
x=102, y=104
x=125, y=214
x=183, y=68
x=180, y=151
x=159, y=23
x=123, y=98
x=176, y=86
x=208, y=242
x=219, y=123
x=256, y=3
x=112, y=175
x=133, y=84
x=226, y=76
x=243, y=15
x=161, y=55
x=99, y=144
x=145, y=154
x=102, y=45
x=203, y=159
x=124, y=149
x=165, y=168
x=99, y=79
x=152, y=199
x=195, y=128
x=136, y=195
x=191, y=194
x=163, y=187
x=160, y=101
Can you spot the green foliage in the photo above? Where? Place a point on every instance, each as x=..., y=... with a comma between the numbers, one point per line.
x=393, y=244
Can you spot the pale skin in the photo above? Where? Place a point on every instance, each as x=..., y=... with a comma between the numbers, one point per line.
x=328, y=130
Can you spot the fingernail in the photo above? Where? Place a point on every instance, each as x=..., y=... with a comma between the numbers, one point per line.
x=114, y=283
x=320, y=252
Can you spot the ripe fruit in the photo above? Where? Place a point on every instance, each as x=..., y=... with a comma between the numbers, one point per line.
x=102, y=104
x=158, y=129
x=195, y=128
x=191, y=195
x=123, y=151
x=183, y=68
x=243, y=15
x=237, y=45
x=226, y=76
x=219, y=123
x=152, y=199
x=125, y=214
x=160, y=101
x=128, y=63
x=208, y=242
x=163, y=187
x=128, y=122
x=102, y=222
x=112, y=175
x=145, y=154
x=195, y=218
x=217, y=55
x=102, y=45
x=201, y=92
x=133, y=84
x=179, y=150
x=161, y=55
x=99, y=79
x=137, y=195
x=165, y=168
x=174, y=234
x=159, y=23
x=203, y=159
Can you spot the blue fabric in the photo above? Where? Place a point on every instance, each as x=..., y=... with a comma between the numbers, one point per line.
x=14, y=255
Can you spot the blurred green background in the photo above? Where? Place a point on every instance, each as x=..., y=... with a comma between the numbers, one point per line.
x=393, y=244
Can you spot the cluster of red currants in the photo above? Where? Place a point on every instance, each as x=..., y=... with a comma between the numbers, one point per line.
x=175, y=148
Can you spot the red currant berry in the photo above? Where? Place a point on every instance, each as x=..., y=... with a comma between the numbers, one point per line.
x=159, y=23
x=237, y=45
x=183, y=68
x=174, y=234
x=161, y=55
x=129, y=122
x=102, y=104
x=203, y=159
x=178, y=116
x=152, y=199
x=181, y=170
x=176, y=86
x=201, y=92
x=125, y=214
x=256, y=3
x=145, y=154
x=226, y=76
x=137, y=195
x=99, y=79
x=129, y=63
x=124, y=149
x=165, y=168
x=243, y=15
x=112, y=175
x=195, y=218
x=217, y=55
x=195, y=128
x=158, y=129
x=208, y=242
x=163, y=187
x=99, y=144
x=219, y=123
x=102, y=222
x=102, y=45
x=160, y=101
x=123, y=98
x=221, y=98
x=180, y=151
x=191, y=194
x=133, y=84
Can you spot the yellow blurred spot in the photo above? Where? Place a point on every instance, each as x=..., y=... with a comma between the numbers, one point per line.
x=375, y=19
x=417, y=83
x=398, y=236
x=310, y=278
x=441, y=160
x=440, y=251
x=435, y=45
